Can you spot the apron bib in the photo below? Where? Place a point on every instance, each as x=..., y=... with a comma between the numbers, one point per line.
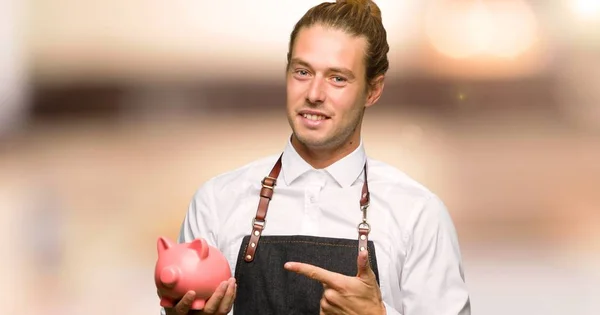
x=264, y=287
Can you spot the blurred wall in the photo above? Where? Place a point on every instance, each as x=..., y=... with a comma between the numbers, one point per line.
x=130, y=106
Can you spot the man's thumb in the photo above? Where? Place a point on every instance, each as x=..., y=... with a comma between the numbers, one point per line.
x=364, y=266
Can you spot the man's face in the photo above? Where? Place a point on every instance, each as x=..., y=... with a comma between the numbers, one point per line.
x=326, y=87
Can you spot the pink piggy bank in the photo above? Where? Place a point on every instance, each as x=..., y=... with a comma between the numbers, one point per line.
x=193, y=266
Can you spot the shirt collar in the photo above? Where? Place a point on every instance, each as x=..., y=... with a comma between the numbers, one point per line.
x=344, y=172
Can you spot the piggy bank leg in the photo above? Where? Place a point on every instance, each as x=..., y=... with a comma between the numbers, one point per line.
x=166, y=302
x=198, y=304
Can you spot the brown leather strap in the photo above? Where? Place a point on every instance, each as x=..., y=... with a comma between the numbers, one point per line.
x=364, y=228
x=259, y=222
x=266, y=194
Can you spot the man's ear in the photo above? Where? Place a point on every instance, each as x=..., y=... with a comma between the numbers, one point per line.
x=375, y=90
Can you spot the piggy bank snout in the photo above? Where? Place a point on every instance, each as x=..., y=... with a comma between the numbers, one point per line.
x=169, y=276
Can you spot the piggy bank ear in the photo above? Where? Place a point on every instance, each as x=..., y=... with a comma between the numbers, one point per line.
x=200, y=246
x=163, y=244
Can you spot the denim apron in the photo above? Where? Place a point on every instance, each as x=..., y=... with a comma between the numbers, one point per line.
x=264, y=287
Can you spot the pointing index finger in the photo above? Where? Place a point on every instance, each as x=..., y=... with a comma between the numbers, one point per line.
x=324, y=276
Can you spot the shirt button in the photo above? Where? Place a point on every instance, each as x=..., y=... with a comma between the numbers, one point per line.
x=313, y=199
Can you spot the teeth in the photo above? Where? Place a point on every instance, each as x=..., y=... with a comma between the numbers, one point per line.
x=313, y=117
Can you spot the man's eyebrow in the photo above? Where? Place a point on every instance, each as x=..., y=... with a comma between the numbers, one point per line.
x=298, y=61
x=344, y=71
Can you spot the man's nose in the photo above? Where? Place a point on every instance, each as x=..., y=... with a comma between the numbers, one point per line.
x=316, y=91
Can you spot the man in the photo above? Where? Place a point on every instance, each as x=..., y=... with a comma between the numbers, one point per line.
x=322, y=228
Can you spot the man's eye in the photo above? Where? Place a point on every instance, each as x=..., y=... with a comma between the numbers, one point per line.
x=339, y=79
x=302, y=72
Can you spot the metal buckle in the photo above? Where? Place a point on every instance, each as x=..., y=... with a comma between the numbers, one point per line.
x=267, y=186
x=262, y=223
x=364, y=225
x=363, y=208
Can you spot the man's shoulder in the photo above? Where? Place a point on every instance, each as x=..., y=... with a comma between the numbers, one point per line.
x=413, y=195
x=246, y=173
x=393, y=178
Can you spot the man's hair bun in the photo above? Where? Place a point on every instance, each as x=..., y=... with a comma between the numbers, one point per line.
x=368, y=5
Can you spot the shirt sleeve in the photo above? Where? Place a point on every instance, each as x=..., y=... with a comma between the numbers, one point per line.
x=433, y=280
x=201, y=219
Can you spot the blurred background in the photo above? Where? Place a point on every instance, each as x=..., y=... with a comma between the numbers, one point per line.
x=112, y=114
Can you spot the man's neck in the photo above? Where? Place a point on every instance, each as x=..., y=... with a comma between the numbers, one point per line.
x=320, y=158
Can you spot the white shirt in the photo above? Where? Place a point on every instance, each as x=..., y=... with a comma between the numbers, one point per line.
x=416, y=245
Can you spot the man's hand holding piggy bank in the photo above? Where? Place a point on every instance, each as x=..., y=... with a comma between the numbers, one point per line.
x=193, y=278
